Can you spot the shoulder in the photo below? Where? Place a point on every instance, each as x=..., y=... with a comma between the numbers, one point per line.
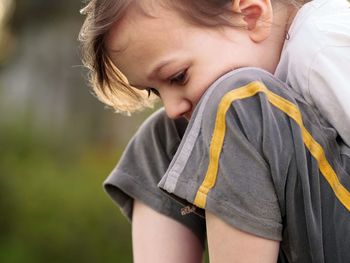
x=246, y=100
x=237, y=86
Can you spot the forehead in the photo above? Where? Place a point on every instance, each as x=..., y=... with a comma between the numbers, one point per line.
x=143, y=23
x=138, y=41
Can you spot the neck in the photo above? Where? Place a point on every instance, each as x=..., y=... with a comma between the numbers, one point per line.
x=283, y=18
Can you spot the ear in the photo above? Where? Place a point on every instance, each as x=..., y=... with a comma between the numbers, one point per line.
x=258, y=16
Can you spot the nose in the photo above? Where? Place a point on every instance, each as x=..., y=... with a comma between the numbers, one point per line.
x=176, y=106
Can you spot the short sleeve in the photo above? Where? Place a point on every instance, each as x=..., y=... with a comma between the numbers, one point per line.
x=233, y=159
x=143, y=164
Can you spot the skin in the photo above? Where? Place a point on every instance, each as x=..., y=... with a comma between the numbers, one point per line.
x=195, y=57
x=157, y=238
x=139, y=43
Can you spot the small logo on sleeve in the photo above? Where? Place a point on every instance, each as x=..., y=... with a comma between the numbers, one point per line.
x=188, y=210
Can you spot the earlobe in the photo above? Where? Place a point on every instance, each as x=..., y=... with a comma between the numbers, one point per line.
x=257, y=15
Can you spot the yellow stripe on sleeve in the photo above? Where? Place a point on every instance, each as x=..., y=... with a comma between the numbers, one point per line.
x=288, y=108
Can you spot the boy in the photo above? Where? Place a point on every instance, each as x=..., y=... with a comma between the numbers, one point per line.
x=158, y=50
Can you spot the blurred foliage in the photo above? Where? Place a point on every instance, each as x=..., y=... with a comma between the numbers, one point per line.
x=52, y=205
x=6, y=39
x=58, y=144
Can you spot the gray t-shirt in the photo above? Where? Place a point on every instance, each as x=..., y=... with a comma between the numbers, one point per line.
x=257, y=156
x=142, y=165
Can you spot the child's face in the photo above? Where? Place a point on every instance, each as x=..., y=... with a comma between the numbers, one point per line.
x=177, y=59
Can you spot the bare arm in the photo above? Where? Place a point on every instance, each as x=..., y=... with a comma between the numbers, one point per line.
x=228, y=244
x=158, y=238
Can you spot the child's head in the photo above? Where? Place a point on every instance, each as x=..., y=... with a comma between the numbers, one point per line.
x=175, y=48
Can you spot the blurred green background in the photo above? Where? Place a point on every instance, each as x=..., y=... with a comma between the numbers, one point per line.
x=57, y=142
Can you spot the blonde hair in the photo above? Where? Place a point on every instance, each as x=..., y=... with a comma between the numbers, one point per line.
x=109, y=84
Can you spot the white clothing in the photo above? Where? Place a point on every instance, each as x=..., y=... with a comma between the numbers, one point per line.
x=315, y=61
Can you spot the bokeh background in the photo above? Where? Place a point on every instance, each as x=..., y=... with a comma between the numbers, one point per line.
x=57, y=143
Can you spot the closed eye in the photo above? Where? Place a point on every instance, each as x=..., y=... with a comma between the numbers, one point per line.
x=179, y=78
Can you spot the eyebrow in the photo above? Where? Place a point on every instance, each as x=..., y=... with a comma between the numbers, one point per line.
x=158, y=68
x=118, y=50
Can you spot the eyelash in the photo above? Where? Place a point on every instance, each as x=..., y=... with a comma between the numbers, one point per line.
x=179, y=78
x=154, y=91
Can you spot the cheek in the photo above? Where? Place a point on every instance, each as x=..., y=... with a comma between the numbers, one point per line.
x=205, y=72
x=199, y=87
